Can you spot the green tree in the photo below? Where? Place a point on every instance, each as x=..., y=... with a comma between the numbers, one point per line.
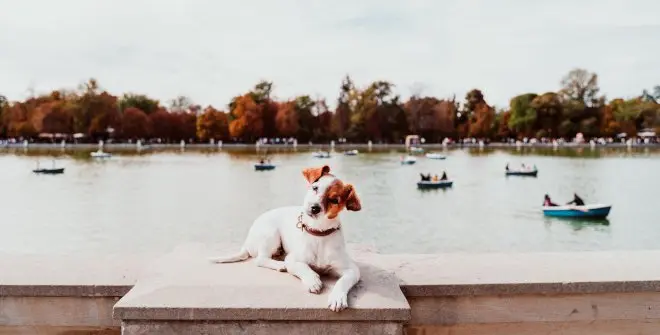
x=139, y=101
x=522, y=114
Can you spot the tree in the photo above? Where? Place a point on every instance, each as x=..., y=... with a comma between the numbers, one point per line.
x=287, y=119
x=548, y=108
x=135, y=124
x=247, y=121
x=523, y=115
x=164, y=125
x=581, y=85
x=139, y=101
x=212, y=124
x=342, y=117
x=481, y=122
x=181, y=104
x=57, y=118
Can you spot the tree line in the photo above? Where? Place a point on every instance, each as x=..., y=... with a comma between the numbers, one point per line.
x=373, y=112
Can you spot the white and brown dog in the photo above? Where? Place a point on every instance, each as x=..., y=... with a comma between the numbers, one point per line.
x=310, y=236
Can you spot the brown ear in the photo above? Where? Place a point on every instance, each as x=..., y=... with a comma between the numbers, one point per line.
x=313, y=174
x=352, y=200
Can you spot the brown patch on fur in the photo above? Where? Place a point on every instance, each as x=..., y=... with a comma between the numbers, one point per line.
x=339, y=196
x=313, y=174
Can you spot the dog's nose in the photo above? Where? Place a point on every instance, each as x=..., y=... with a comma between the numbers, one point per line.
x=316, y=209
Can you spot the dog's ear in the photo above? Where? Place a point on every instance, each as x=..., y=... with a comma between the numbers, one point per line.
x=313, y=174
x=352, y=200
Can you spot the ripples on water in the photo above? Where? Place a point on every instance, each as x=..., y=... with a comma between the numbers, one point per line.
x=153, y=201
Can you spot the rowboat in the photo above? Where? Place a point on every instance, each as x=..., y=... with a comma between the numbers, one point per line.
x=434, y=155
x=100, y=154
x=523, y=173
x=321, y=154
x=594, y=211
x=351, y=152
x=49, y=171
x=408, y=160
x=264, y=167
x=427, y=185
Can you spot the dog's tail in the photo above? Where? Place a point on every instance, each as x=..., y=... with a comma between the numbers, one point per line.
x=237, y=257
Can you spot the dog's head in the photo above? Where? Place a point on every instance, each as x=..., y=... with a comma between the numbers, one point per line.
x=327, y=195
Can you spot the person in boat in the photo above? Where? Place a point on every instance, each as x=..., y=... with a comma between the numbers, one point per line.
x=507, y=167
x=548, y=202
x=444, y=176
x=261, y=161
x=577, y=201
x=425, y=177
x=435, y=178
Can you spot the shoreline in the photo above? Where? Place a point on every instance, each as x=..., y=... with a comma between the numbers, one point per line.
x=337, y=147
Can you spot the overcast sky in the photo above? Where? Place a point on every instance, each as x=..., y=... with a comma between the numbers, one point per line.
x=211, y=50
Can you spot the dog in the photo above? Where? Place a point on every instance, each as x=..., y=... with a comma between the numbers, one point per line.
x=310, y=236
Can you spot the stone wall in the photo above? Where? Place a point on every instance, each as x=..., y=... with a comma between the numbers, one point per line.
x=542, y=293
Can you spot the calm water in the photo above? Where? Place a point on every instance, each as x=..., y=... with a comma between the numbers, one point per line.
x=152, y=202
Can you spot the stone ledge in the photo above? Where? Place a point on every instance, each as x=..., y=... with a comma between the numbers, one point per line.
x=184, y=285
x=461, y=274
x=69, y=276
x=420, y=275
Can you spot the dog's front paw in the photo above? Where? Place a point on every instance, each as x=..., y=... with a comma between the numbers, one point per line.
x=313, y=283
x=337, y=301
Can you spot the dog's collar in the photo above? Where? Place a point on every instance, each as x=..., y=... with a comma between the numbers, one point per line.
x=315, y=232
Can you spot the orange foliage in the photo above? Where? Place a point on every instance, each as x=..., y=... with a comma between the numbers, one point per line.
x=481, y=121
x=248, y=123
x=287, y=119
x=212, y=124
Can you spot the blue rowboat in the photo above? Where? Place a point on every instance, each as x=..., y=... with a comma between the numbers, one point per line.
x=594, y=211
x=428, y=185
x=264, y=167
x=523, y=173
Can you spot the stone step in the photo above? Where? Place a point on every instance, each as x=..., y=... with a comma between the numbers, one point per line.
x=183, y=293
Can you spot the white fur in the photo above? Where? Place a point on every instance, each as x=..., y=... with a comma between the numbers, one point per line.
x=307, y=256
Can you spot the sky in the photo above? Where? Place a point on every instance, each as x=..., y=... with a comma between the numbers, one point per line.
x=212, y=50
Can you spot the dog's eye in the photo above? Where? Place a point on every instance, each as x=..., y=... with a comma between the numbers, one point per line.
x=315, y=188
x=333, y=201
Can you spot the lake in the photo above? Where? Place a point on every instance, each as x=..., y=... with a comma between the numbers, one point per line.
x=153, y=201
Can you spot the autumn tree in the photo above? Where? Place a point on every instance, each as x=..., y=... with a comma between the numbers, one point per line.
x=247, y=121
x=287, y=119
x=164, y=125
x=135, y=124
x=57, y=118
x=212, y=124
x=431, y=118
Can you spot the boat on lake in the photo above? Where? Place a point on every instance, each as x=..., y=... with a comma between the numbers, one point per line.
x=264, y=166
x=52, y=170
x=408, y=160
x=416, y=150
x=100, y=154
x=353, y=152
x=524, y=171
x=428, y=185
x=321, y=154
x=435, y=155
x=592, y=211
